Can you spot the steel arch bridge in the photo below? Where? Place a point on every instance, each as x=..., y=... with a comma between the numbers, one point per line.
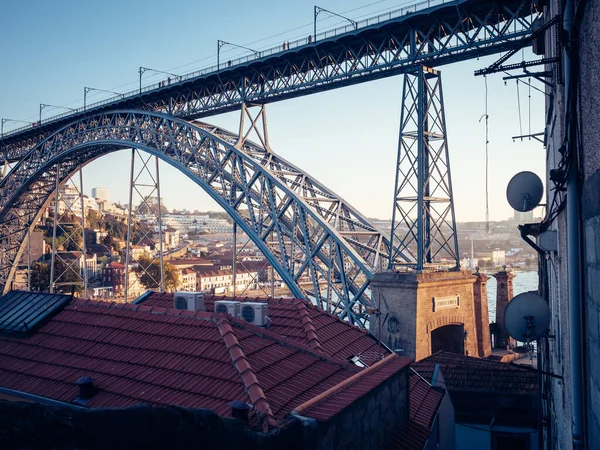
x=305, y=231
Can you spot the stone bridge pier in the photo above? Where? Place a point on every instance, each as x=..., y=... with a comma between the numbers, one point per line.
x=421, y=313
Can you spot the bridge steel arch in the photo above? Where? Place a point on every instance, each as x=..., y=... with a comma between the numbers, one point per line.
x=321, y=247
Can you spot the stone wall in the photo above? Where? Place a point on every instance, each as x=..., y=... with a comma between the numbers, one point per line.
x=407, y=300
x=444, y=284
x=590, y=121
x=482, y=320
x=370, y=423
x=559, y=354
x=396, y=295
x=504, y=294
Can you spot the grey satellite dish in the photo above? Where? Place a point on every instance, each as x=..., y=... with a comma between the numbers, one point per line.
x=524, y=191
x=527, y=317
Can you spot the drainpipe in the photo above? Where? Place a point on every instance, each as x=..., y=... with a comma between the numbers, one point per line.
x=573, y=245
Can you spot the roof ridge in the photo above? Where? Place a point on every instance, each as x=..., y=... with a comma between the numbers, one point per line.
x=284, y=340
x=348, y=381
x=309, y=327
x=140, y=307
x=253, y=387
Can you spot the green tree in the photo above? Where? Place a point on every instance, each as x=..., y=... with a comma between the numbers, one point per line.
x=67, y=276
x=148, y=271
x=94, y=220
x=40, y=277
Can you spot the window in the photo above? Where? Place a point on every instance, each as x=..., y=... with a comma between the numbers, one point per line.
x=357, y=361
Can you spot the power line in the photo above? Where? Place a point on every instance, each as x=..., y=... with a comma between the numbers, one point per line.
x=370, y=14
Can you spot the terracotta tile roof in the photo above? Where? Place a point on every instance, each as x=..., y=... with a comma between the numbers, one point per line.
x=331, y=402
x=304, y=323
x=414, y=436
x=150, y=354
x=482, y=390
x=468, y=373
x=424, y=400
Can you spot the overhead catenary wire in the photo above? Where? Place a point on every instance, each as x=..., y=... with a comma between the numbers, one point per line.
x=519, y=107
x=487, y=142
x=325, y=18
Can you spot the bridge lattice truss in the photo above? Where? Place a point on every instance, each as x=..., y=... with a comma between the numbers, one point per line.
x=319, y=245
x=447, y=32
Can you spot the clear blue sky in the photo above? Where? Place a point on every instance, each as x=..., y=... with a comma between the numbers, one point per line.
x=346, y=138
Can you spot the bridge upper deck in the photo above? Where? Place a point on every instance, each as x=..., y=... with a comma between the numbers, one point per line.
x=433, y=32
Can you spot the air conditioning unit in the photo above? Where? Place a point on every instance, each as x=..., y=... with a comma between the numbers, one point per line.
x=228, y=307
x=255, y=313
x=192, y=301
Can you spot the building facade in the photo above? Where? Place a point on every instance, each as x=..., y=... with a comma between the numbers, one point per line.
x=570, y=274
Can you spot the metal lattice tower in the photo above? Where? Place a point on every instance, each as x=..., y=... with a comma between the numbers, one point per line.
x=144, y=186
x=68, y=272
x=423, y=221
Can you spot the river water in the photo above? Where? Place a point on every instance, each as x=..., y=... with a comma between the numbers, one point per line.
x=523, y=282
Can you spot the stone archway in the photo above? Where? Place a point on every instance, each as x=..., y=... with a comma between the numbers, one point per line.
x=449, y=338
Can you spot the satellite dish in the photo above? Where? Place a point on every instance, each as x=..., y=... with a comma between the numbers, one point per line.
x=524, y=191
x=527, y=317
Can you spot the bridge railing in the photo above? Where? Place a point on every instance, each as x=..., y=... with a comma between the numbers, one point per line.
x=404, y=11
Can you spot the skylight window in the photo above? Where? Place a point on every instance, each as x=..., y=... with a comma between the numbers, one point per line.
x=357, y=361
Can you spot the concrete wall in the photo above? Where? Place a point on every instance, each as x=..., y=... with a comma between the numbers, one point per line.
x=372, y=422
x=589, y=50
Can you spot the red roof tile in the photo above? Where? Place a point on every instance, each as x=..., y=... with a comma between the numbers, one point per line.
x=413, y=436
x=317, y=329
x=468, y=373
x=332, y=401
x=424, y=400
x=150, y=354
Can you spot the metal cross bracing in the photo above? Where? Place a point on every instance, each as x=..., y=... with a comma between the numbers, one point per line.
x=320, y=246
x=431, y=33
x=144, y=186
x=423, y=220
x=68, y=267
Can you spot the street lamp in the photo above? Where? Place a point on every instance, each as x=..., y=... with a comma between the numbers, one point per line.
x=318, y=10
x=145, y=69
x=44, y=105
x=3, y=121
x=88, y=89
x=221, y=43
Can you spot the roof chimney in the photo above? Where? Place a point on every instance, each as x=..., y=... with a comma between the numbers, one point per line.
x=239, y=410
x=86, y=388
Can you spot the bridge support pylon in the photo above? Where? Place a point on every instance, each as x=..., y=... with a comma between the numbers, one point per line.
x=69, y=267
x=144, y=184
x=423, y=232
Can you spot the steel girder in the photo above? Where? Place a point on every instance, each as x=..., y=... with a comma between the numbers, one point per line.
x=423, y=220
x=449, y=32
x=321, y=247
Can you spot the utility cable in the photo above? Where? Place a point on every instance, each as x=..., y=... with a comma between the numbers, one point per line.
x=487, y=142
x=519, y=107
x=374, y=13
x=529, y=108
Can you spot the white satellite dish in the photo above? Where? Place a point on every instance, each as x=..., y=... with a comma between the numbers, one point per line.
x=524, y=191
x=527, y=317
